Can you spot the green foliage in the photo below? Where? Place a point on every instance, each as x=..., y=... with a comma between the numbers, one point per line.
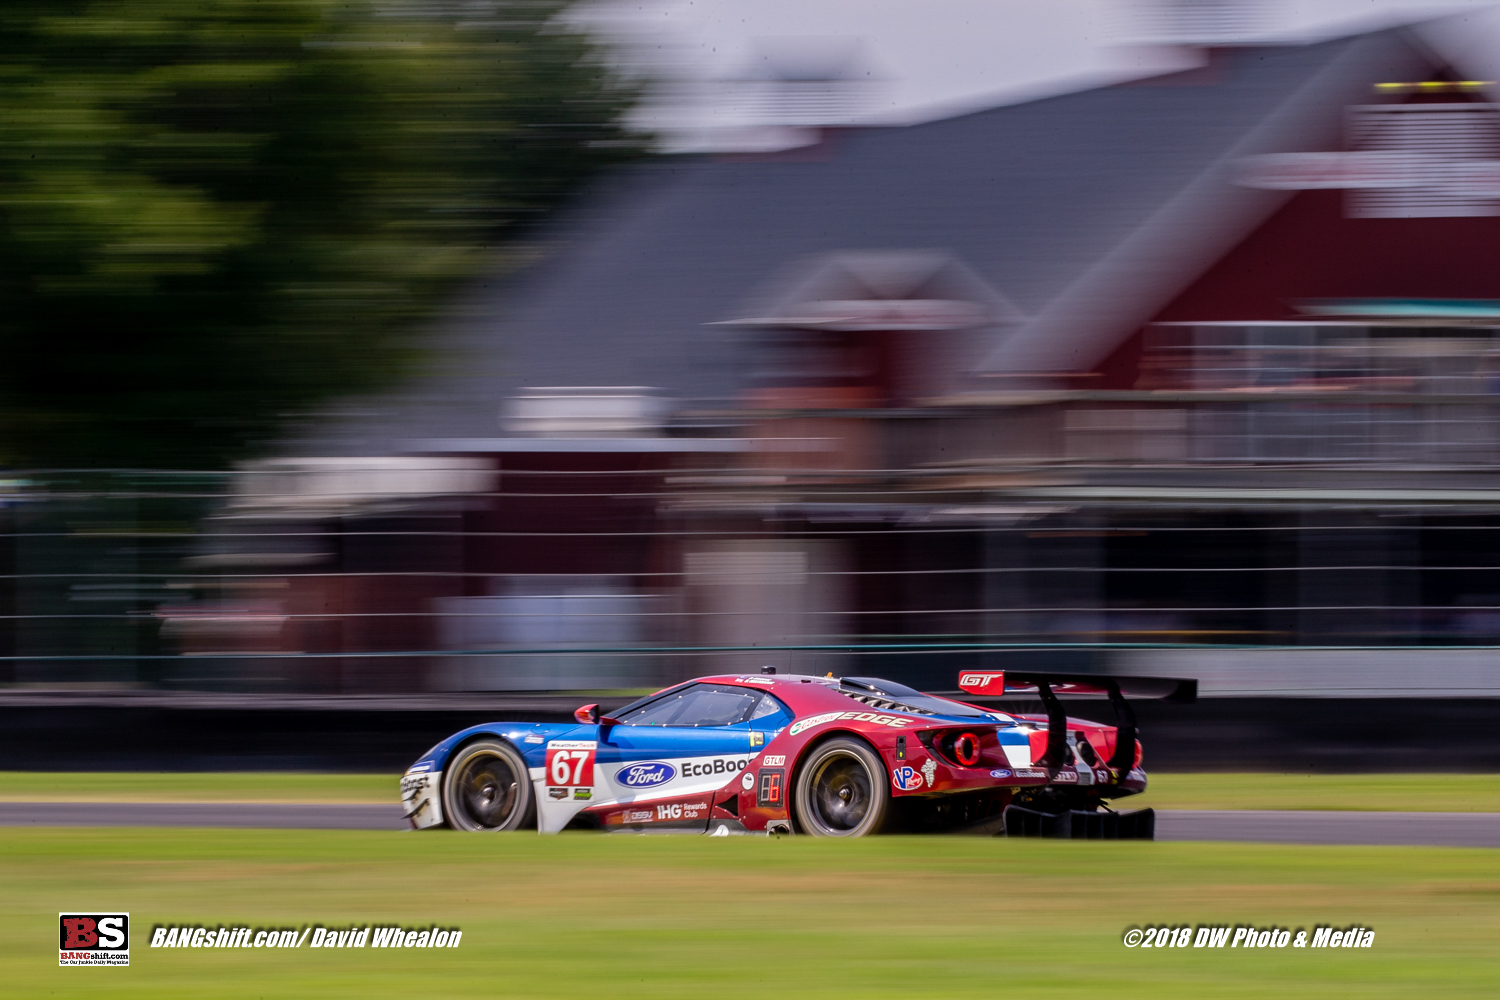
x=217, y=213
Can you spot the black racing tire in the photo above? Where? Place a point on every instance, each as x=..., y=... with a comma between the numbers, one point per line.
x=486, y=786
x=842, y=790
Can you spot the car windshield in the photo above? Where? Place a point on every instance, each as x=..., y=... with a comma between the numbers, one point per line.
x=865, y=687
x=701, y=705
x=625, y=710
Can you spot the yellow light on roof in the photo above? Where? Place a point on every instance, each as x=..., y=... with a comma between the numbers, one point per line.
x=1434, y=85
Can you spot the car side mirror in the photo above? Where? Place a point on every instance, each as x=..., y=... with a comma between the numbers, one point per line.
x=588, y=714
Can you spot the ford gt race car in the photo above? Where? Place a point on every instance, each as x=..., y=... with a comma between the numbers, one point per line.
x=826, y=756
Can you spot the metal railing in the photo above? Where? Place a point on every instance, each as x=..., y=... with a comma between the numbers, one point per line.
x=589, y=579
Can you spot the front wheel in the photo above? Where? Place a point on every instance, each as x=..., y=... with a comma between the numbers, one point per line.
x=842, y=790
x=487, y=787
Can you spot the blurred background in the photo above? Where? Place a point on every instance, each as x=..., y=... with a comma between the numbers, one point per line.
x=375, y=367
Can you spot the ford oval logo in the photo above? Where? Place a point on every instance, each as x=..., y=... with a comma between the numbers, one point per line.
x=647, y=775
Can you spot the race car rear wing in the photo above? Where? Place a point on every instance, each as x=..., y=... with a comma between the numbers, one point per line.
x=1047, y=686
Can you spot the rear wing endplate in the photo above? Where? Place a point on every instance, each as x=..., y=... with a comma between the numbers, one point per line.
x=1047, y=686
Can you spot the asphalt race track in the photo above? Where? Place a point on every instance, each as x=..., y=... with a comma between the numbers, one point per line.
x=248, y=815
x=1433, y=829
x=1289, y=827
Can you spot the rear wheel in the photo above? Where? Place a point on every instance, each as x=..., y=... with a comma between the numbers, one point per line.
x=487, y=787
x=842, y=790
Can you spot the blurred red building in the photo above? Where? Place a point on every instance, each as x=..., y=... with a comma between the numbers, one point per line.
x=1206, y=359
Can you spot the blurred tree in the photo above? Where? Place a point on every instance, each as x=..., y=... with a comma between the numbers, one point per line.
x=217, y=213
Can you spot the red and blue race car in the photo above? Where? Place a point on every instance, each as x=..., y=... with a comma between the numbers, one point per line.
x=826, y=756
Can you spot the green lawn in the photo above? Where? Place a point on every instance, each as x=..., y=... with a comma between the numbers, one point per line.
x=625, y=917
x=1403, y=792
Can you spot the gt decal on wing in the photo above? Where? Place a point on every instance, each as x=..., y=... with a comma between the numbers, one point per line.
x=983, y=683
x=571, y=762
x=875, y=718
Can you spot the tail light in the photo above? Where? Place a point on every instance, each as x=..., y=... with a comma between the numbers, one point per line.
x=1137, y=754
x=1085, y=749
x=966, y=749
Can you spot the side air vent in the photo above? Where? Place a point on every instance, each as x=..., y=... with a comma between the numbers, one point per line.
x=884, y=704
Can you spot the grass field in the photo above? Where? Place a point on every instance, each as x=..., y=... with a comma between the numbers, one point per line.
x=626, y=917
x=1401, y=792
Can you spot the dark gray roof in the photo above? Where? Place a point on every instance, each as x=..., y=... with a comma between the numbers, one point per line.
x=1029, y=197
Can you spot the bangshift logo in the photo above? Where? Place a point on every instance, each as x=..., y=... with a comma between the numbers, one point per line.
x=93, y=939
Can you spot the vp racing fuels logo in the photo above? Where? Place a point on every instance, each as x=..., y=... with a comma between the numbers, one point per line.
x=906, y=778
x=875, y=718
x=646, y=775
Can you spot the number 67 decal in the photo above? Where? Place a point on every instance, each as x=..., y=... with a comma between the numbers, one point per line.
x=570, y=762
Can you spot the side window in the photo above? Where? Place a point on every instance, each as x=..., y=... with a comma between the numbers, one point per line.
x=721, y=706
x=699, y=705
x=770, y=714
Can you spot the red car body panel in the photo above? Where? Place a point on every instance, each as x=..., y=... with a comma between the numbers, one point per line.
x=758, y=796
